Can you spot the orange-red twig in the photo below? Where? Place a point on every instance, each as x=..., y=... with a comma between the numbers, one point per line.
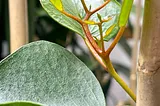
x=91, y=39
x=115, y=41
x=84, y=6
x=88, y=14
x=73, y=17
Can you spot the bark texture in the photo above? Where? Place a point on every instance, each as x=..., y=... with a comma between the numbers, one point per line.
x=148, y=91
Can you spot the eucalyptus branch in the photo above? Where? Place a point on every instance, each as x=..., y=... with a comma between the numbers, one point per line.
x=115, y=41
x=106, y=63
x=73, y=17
x=87, y=32
x=94, y=53
x=101, y=37
x=88, y=14
x=99, y=52
x=108, y=19
x=100, y=7
x=114, y=74
x=84, y=6
x=91, y=39
x=86, y=29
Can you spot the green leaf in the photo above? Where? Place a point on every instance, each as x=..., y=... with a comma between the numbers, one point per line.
x=125, y=11
x=112, y=33
x=57, y=4
x=46, y=73
x=75, y=8
x=111, y=10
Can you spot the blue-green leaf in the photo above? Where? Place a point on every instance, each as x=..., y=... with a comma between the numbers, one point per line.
x=46, y=73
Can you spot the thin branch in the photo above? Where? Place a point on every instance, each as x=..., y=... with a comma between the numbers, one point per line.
x=100, y=7
x=114, y=74
x=91, y=39
x=115, y=41
x=101, y=37
x=73, y=17
x=84, y=6
x=106, y=63
x=87, y=32
x=94, y=53
x=97, y=9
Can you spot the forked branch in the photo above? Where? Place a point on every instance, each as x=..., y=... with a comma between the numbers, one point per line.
x=99, y=52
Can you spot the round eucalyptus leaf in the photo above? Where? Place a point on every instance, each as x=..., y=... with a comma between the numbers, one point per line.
x=46, y=73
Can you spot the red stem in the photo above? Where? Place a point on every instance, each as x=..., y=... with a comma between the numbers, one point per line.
x=91, y=39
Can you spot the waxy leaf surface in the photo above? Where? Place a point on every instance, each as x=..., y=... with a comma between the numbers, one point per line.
x=46, y=73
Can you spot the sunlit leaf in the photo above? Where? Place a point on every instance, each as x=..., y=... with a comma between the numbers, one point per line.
x=125, y=11
x=57, y=4
x=113, y=33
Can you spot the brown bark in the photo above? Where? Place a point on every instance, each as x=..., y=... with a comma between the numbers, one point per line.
x=148, y=91
x=18, y=23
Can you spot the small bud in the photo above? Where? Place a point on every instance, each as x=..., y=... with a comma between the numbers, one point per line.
x=90, y=7
x=99, y=17
x=90, y=22
x=109, y=30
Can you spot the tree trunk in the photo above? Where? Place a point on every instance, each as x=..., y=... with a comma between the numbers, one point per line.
x=148, y=91
x=18, y=23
